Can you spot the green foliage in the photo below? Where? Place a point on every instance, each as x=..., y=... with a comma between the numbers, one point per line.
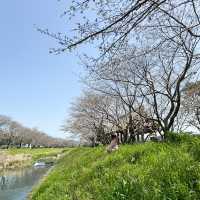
x=174, y=137
x=143, y=171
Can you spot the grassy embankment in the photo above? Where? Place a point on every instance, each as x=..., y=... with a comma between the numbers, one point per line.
x=150, y=171
x=15, y=158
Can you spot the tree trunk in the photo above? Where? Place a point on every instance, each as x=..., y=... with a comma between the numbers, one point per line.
x=142, y=137
x=138, y=137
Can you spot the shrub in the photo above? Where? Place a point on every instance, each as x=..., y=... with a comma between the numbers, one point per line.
x=179, y=138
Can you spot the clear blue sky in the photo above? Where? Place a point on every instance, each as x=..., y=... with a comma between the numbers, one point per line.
x=36, y=87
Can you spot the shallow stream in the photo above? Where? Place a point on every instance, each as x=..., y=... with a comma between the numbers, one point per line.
x=17, y=184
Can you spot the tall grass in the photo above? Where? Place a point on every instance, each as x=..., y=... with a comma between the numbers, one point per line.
x=150, y=171
x=16, y=158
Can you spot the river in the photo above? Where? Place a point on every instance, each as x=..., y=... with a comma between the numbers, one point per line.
x=17, y=184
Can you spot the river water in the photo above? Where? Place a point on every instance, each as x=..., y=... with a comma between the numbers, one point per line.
x=17, y=184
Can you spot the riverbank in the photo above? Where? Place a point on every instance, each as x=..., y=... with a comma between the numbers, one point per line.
x=142, y=171
x=18, y=158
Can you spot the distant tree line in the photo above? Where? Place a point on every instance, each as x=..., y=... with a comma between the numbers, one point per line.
x=14, y=134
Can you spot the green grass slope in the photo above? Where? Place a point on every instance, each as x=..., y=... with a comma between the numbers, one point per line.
x=148, y=171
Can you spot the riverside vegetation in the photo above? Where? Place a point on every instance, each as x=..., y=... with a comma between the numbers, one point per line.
x=166, y=170
x=16, y=158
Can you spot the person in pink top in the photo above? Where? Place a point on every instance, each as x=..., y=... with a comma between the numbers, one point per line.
x=114, y=143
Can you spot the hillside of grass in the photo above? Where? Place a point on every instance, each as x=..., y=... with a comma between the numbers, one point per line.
x=169, y=170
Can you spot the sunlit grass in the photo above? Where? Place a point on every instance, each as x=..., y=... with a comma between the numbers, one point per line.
x=36, y=153
x=15, y=158
x=143, y=171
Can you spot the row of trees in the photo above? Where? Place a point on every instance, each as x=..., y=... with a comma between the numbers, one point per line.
x=148, y=54
x=96, y=115
x=14, y=134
